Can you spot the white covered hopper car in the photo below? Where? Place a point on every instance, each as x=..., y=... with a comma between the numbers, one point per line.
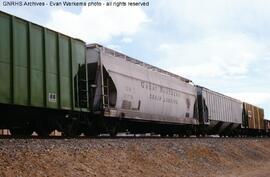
x=219, y=114
x=133, y=91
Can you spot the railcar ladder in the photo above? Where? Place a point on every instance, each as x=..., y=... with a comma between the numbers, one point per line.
x=104, y=88
x=83, y=98
x=106, y=97
x=82, y=93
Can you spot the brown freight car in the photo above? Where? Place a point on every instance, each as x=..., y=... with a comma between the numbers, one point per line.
x=253, y=117
x=267, y=126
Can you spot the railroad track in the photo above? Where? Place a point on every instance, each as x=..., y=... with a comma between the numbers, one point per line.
x=125, y=137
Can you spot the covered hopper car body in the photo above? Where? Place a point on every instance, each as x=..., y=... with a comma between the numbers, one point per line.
x=219, y=113
x=133, y=91
x=40, y=75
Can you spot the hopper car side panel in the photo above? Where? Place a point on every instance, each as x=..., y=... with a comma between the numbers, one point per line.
x=144, y=93
x=38, y=66
x=224, y=114
x=43, y=78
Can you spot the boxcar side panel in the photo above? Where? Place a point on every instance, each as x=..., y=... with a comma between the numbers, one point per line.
x=5, y=58
x=51, y=70
x=267, y=125
x=37, y=65
x=65, y=81
x=254, y=116
x=261, y=111
x=20, y=81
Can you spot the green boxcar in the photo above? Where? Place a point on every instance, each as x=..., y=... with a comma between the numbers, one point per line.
x=38, y=66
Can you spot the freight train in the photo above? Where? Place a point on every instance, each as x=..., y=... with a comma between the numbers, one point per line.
x=50, y=81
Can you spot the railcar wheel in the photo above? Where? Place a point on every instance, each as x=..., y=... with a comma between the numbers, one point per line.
x=21, y=131
x=113, y=134
x=199, y=135
x=220, y=135
x=180, y=135
x=43, y=128
x=43, y=132
x=91, y=130
x=170, y=135
x=113, y=131
x=91, y=133
x=188, y=133
x=204, y=135
x=163, y=135
x=187, y=136
x=113, y=128
x=71, y=128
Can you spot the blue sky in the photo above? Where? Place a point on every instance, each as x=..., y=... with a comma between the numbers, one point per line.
x=223, y=45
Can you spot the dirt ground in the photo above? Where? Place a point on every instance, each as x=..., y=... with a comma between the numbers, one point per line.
x=135, y=157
